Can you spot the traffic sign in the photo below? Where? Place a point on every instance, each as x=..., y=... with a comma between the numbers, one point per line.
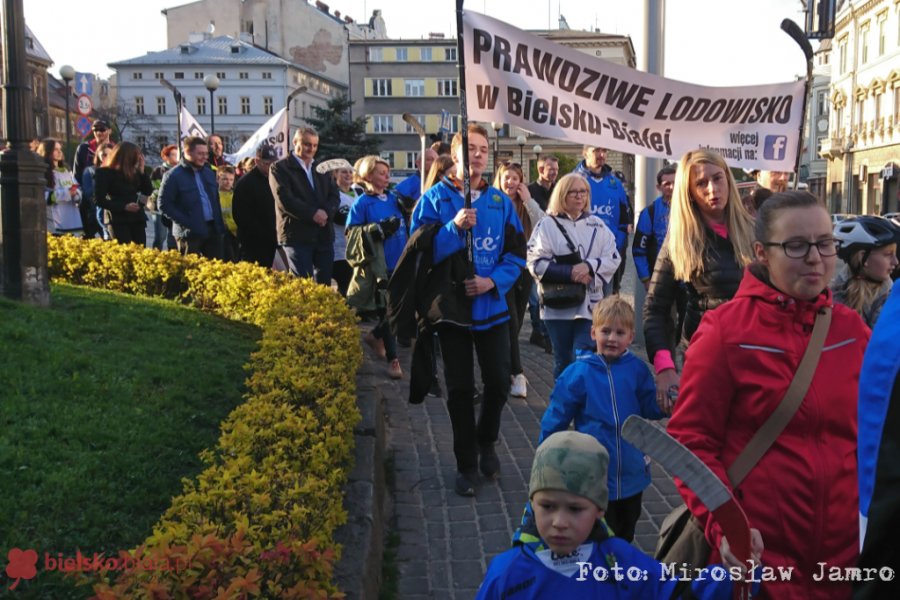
x=82, y=126
x=84, y=83
x=85, y=106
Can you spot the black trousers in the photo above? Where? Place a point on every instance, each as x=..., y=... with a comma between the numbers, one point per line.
x=517, y=300
x=457, y=348
x=622, y=515
x=128, y=232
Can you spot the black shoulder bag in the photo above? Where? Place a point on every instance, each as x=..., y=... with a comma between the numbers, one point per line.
x=568, y=294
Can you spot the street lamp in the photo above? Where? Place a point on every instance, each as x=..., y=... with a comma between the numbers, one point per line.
x=537, y=149
x=212, y=84
x=68, y=74
x=520, y=140
x=496, y=127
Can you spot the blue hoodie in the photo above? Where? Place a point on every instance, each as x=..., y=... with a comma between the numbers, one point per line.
x=608, y=201
x=498, y=242
x=649, y=234
x=599, y=395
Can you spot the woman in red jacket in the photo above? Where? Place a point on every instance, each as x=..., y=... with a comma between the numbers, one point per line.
x=801, y=496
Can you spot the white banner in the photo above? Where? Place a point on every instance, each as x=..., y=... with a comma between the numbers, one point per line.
x=274, y=132
x=561, y=93
x=189, y=125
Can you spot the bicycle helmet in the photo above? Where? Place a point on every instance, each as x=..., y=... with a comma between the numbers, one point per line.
x=866, y=232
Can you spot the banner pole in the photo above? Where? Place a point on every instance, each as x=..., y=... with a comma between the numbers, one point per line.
x=793, y=30
x=464, y=127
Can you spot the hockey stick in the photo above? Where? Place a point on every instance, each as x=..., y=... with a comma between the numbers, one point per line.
x=464, y=130
x=709, y=489
x=417, y=127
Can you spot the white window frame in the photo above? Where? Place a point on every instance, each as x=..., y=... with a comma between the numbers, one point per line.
x=382, y=123
x=414, y=88
x=382, y=87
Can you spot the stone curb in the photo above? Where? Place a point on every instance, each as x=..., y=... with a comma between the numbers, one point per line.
x=358, y=573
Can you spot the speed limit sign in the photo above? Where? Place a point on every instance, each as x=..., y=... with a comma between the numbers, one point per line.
x=85, y=106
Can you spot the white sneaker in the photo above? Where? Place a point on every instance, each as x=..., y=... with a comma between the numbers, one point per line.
x=517, y=388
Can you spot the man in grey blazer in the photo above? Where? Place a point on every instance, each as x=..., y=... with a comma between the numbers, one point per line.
x=305, y=204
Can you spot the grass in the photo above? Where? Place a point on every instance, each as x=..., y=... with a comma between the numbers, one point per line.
x=107, y=400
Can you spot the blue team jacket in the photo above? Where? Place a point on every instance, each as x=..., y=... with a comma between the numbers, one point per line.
x=608, y=201
x=498, y=240
x=521, y=574
x=599, y=396
x=373, y=209
x=649, y=237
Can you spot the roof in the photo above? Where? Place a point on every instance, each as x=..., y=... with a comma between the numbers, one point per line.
x=34, y=49
x=212, y=51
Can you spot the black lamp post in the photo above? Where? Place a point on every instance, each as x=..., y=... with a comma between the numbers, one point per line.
x=212, y=84
x=520, y=140
x=68, y=74
x=496, y=127
x=537, y=149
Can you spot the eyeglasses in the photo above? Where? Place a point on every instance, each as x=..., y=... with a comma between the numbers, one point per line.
x=577, y=193
x=800, y=248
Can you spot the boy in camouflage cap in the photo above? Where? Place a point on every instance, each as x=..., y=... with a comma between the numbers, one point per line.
x=576, y=557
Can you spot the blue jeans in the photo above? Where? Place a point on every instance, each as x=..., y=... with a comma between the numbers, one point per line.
x=305, y=259
x=566, y=336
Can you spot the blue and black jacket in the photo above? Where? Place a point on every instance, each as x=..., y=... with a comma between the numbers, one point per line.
x=649, y=234
x=498, y=242
x=609, y=201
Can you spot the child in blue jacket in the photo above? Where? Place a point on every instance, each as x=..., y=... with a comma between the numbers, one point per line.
x=599, y=391
x=575, y=556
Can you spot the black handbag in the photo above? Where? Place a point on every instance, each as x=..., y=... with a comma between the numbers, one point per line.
x=567, y=294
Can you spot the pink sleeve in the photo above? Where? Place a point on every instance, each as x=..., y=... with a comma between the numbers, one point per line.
x=662, y=361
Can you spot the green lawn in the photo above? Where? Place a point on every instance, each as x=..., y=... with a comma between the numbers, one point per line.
x=105, y=402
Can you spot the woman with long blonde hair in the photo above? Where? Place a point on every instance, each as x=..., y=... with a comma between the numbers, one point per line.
x=710, y=241
x=511, y=180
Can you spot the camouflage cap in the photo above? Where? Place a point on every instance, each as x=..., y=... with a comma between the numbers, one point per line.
x=574, y=462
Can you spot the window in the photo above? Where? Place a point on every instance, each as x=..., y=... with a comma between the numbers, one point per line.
x=426, y=54
x=411, y=159
x=179, y=75
x=139, y=105
x=198, y=74
x=137, y=75
x=450, y=54
x=860, y=103
x=882, y=33
x=864, y=43
x=267, y=75
x=376, y=54
x=842, y=49
x=897, y=104
x=220, y=74
x=415, y=87
x=162, y=140
x=382, y=123
x=822, y=102
x=268, y=105
x=243, y=75
x=141, y=141
x=402, y=54
x=389, y=157
x=381, y=87
x=447, y=87
x=245, y=105
x=420, y=119
x=160, y=105
x=158, y=75
x=454, y=123
x=201, y=105
x=223, y=105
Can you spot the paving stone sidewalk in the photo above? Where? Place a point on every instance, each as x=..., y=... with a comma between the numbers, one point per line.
x=447, y=541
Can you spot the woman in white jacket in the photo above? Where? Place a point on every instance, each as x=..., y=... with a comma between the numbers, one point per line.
x=569, y=211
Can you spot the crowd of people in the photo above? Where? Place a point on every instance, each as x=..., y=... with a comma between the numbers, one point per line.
x=746, y=313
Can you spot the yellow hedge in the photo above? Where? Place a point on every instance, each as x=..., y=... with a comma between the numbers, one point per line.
x=259, y=520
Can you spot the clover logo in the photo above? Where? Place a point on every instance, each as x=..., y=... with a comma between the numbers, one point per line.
x=22, y=565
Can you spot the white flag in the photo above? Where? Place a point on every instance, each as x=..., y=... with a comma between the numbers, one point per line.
x=274, y=133
x=189, y=125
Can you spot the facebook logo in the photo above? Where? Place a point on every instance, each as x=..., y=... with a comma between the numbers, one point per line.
x=774, y=147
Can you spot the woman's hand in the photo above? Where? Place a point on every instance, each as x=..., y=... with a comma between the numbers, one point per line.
x=132, y=207
x=522, y=191
x=581, y=273
x=465, y=219
x=478, y=285
x=756, y=550
x=665, y=380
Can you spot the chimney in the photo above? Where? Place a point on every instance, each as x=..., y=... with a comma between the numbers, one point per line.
x=322, y=6
x=435, y=36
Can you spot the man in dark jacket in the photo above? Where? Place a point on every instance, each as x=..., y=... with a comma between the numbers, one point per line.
x=84, y=158
x=254, y=210
x=305, y=204
x=189, y=196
